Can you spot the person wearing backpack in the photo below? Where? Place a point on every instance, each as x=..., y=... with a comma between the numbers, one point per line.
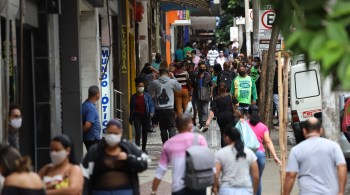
x=164, y=88
x=174, y=154
x=226, y=76
x=237, y=165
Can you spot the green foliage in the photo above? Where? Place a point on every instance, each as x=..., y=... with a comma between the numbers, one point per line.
x=231, y=9
x=319, y=30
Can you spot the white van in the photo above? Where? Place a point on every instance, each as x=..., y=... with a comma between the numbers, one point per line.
x=305, y=94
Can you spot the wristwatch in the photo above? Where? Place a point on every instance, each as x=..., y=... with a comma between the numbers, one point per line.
x=153, y=193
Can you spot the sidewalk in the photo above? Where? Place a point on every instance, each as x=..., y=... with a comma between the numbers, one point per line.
x=270, y=179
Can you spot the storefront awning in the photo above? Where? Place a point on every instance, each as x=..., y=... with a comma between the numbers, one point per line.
x=192, y=5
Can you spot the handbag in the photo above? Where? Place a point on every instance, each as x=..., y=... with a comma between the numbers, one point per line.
x=203, y=94
x=248, y=136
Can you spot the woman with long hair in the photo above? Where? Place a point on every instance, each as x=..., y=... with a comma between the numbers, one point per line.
x=17, y=170
x=222, y=108
x=262, y=134
x=113, y=165
x=237, y=166
x=141, y=111
x=62, y=175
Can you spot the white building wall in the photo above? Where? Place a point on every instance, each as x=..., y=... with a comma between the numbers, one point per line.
x=89, y=50
x=143, y=31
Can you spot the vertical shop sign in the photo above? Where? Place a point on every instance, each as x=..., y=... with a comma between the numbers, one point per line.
x=124, y=50
x=105, y=87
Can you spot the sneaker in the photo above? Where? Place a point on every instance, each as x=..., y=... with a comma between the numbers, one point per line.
x=144, y=151
x=204, y=129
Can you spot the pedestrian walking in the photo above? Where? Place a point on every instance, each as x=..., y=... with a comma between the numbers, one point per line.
x=318, y=163
x=19, y=178
x=212, y=55
x=243, y=88
x=236, y=167
x=113, y=165
x=195, y=59
x=15, y=123
x=262, y=134
x=179, y=53
x=156, y=62
x=222, y=108
x=62, y=176
x=202, y=90
x=147, y=74
x=187, y=50
x=192, y=77
x=214, y=78
x=90, y=118
x=221, y=59
x=141, y=112
x=174, y=154
x=183, y=97
x=227, y=76
x=164, y=88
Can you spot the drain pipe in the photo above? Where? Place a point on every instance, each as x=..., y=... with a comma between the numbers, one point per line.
x=7, y=74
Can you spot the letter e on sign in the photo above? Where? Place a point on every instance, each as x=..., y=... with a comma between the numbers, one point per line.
x=267, y=19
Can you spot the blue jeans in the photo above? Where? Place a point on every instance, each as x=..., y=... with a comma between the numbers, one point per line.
x=113, y=192
x=261, y=164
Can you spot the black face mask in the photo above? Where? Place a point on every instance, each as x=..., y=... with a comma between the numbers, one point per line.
x=201, y=70
x=241, y=73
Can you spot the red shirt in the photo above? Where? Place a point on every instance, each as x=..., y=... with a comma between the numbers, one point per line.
x=140, y=104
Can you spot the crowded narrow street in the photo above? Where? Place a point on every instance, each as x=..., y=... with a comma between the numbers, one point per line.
x=174, y=97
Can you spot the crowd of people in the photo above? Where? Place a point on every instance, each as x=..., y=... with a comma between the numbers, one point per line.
x=220, y=85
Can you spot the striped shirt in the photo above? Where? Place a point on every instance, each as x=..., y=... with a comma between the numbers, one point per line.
x=182, y=77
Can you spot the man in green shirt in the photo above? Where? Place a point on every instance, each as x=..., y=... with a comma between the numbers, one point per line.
x=255, y=70
x=244, y=89
x=187, y=50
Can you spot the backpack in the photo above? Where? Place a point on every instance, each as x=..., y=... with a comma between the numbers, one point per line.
x=200, y=161
x=227, y=78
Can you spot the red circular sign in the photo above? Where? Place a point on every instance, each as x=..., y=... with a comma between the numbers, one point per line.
x=263, y=16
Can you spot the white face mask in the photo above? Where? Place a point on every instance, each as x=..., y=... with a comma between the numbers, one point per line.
x=140, y=89
x=16, y=123
x=112, y=139
x=58, y=157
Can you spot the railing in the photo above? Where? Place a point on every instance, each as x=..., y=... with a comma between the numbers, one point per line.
x=117, y=97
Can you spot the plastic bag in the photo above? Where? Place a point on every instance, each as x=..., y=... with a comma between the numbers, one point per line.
x=189, y=109
x=248, y=136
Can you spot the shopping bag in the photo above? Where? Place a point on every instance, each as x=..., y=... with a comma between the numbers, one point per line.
x=189, y=109
x=248, y=136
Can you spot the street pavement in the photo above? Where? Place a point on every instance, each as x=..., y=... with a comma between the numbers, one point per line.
x=270, y=178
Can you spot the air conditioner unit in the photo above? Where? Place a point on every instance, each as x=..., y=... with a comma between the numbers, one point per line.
x=12, y=6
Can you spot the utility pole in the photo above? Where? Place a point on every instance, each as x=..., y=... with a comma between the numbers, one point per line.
x=247, y=28
x=256, y=9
